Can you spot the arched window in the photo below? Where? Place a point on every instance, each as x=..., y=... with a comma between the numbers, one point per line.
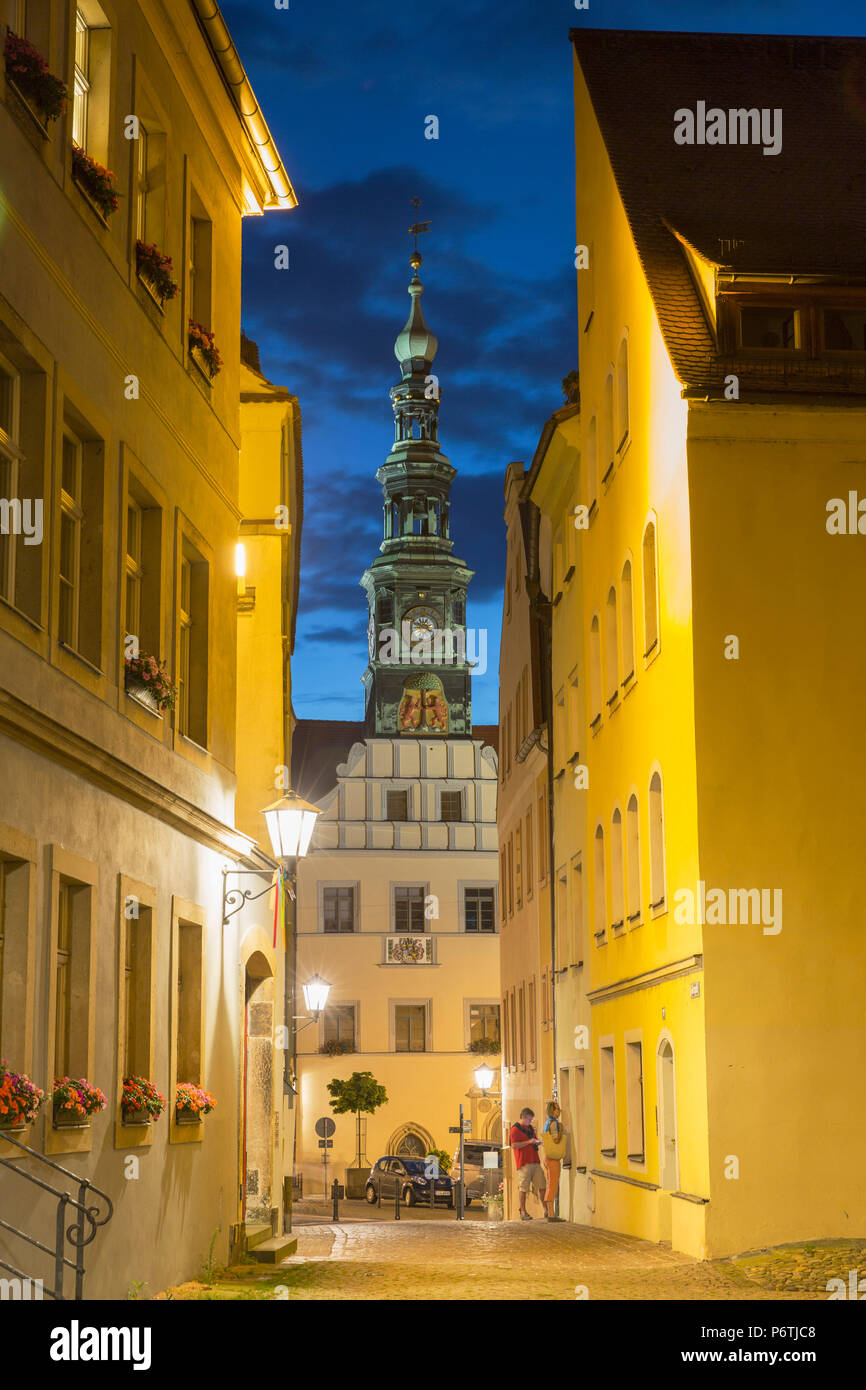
x=627, y=624
x=610, y=653
x=632, y=837
x=657, y=842
x=592, y=462
x=650, y=589
x=616, y=872
x=622, y=394
x=595, y=669
x=600, y=898
x=608, y=441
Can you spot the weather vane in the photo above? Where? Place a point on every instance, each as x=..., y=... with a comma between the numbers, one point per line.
x=417, y=228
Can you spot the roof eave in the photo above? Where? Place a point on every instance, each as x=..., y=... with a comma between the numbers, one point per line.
x=244, y=99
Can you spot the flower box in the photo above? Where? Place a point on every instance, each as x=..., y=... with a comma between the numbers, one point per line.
x=140, y=1101
x=141, y=693
x=145, y=680
x=97, y=183
x=27, y=73
x=191, y=1103
x=203, y=350
x=135, y=1118
x=20, y=1100
x=154, y=272
x=75, y=1102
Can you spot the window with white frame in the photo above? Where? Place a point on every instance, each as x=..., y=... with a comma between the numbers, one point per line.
x=338, y=908
x=410, y=1027
x=479, y=909
x=408, y=904
x=340, y=1025
x=484, y=1026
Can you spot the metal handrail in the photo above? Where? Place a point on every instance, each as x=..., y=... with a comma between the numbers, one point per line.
x=74, y=1233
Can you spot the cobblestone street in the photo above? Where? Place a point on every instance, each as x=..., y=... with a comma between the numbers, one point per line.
x=439, y=1258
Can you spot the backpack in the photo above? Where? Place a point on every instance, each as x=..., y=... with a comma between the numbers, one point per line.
x=554, y=1144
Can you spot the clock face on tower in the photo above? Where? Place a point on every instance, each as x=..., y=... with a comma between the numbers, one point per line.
x=423, y=622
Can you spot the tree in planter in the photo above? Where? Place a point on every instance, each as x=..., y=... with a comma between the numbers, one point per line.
x=360, y=1094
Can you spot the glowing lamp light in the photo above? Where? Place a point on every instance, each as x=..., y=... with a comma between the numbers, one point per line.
x=316, y=993
x=240, y=560
x=290, y=823
x=484, y=1077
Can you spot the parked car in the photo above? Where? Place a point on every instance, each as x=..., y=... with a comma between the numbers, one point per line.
x=410, y=1176
x=478, y=1179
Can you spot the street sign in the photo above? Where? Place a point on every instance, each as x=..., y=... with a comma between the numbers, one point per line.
x=455, y=1129
x=326, y=1143
x=325, y=1127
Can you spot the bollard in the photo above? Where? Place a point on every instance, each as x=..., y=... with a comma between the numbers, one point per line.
x=397, y=1201
x=432, y=1194
x=335, y=1193
x=379, y=1198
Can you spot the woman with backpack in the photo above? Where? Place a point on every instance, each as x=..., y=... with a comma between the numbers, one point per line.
x=554, y=1143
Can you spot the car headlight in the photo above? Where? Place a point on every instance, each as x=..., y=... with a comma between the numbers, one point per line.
x=422, y=1182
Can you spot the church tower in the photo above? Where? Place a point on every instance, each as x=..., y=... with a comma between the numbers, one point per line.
x=417, y=682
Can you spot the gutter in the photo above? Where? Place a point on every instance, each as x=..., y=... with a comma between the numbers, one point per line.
x=244, y=99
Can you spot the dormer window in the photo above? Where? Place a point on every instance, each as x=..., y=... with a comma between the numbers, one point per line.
x=769, y=327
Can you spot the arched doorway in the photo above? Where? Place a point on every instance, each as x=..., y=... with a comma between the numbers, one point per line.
x=258, y=1089
x=411, y=1141
x=669, y=1179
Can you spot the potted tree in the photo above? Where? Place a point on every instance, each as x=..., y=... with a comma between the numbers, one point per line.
x=360, y=1094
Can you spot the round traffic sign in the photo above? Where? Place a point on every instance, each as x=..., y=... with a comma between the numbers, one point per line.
x=325, y=1127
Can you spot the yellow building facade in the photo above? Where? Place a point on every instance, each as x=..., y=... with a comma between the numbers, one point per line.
x=722, y=379
x=400, y=918
x=118, y=815
x=524, y=837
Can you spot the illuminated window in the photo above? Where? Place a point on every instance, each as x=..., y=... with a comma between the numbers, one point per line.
x=622, y=411
x=632, y=822
x=627, y=624
x=610, y=653
x=599, y=887
x=71, y=518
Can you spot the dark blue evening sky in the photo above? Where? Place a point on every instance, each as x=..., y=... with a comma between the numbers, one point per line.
x=345, y=88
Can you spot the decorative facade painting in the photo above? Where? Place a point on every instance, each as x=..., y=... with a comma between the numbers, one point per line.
x=423, y=707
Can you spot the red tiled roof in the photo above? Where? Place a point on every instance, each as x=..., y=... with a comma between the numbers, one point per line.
x=799, y=212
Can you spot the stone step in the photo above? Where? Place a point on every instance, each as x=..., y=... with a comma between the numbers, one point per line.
x=255, y=1233
x=273, y=1251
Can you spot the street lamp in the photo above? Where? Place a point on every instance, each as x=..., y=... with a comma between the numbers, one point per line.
x=316, y=993
x=290, y=822
x=484, y=1078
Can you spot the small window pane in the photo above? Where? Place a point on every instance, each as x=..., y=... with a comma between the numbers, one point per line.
x=479, y=909
x=397, y=806
x=409, y=909
x=338, y=909
x=845, y=330
x=484, y=1023
x=410, y=1027
x=768, y=328
x=452, y=806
